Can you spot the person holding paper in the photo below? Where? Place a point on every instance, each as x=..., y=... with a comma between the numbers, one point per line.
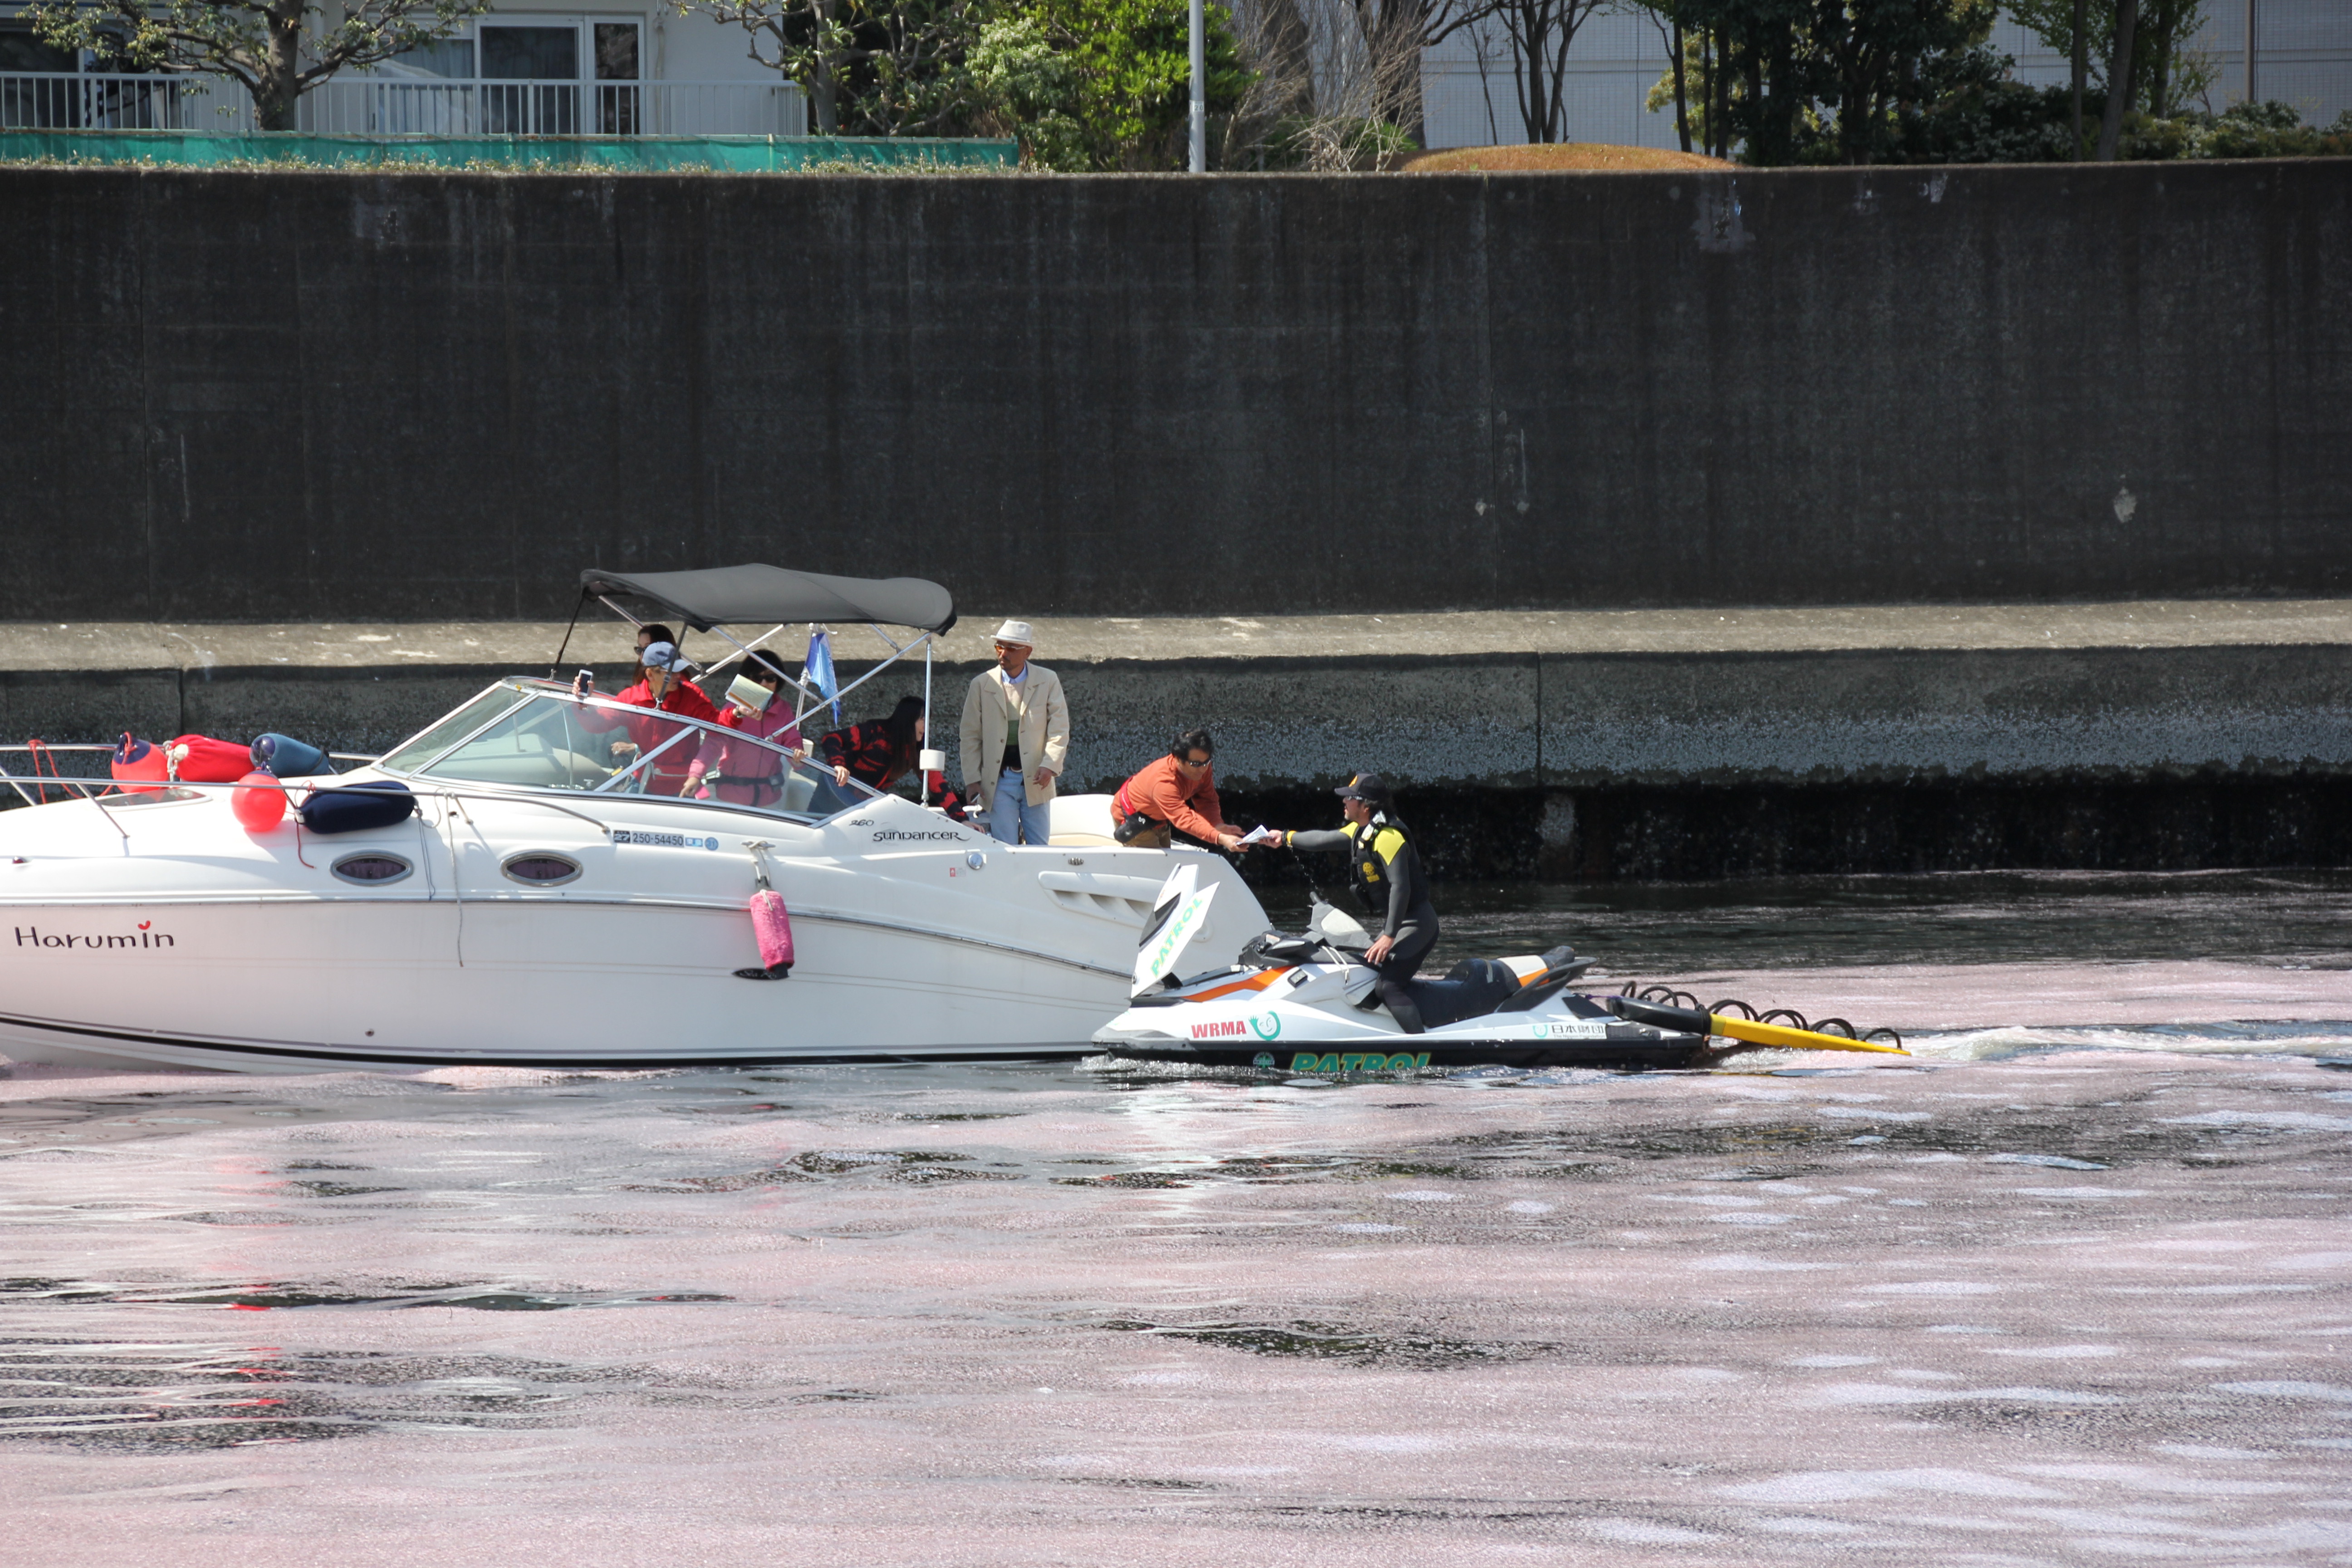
x=738, y=772
x=1172, y=794
x=1384, y=868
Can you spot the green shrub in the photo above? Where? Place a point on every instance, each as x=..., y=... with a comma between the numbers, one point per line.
x=2009, y=122
x=1996, y=122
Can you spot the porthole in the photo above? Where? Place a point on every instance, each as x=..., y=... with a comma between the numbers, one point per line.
x=372, y=869
x=539, y=869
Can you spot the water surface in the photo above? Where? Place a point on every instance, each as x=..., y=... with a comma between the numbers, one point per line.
x=2071, y=1292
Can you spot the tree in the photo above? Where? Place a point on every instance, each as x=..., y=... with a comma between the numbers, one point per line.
x=1540, y=33
x=2119, y=82
x=1819, y=80
x=1883, y=62
x=874, y=68
x=1699, y=65
x=1395, y=32
x=276, y=49
x=1747, y=56
x=1028, y=89
x=1271, y=39
x=1100, y=84
x=1135, y=75
x=1324, y=93
x=2168, y=72
x=1670, y=29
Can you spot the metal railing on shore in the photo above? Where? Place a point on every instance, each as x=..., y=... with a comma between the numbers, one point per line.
x=361, y=105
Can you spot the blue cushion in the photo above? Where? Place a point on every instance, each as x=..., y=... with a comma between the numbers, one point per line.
x=360, y=806
x=287, y=758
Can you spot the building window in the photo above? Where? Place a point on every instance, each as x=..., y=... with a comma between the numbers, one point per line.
x=451, y=59
x=515, y=55
x=45, y=87
x=619, y=108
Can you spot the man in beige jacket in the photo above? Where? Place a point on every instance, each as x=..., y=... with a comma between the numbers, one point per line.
x=1015, y=738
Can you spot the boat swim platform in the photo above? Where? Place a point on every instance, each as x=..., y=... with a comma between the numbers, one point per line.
x=1482, y=701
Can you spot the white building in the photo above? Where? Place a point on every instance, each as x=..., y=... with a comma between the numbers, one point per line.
x=526, y=68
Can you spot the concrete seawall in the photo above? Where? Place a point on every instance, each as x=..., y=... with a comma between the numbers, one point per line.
x=1671, y=743
x=299, y=397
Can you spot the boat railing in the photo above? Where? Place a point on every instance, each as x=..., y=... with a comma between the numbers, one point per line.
x=109, y=793
x=83, y=785
x=804, y=794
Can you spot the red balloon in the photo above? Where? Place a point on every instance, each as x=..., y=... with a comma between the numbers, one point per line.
x=259, y=809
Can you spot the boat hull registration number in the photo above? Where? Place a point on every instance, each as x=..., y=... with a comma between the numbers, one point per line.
x=663, y=840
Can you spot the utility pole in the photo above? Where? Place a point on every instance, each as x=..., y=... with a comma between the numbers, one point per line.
x=2250, y=96
x=2082, y=70
x=1201, y=89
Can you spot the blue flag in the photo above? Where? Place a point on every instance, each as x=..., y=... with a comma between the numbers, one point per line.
x=817, y=670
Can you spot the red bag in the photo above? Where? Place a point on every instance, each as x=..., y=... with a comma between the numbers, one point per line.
x=212, y=762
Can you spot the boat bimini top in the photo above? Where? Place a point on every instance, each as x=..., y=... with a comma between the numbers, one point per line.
x=740, y=595
x=713, y=598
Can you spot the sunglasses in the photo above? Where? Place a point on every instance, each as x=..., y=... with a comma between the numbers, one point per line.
x=1192, y=763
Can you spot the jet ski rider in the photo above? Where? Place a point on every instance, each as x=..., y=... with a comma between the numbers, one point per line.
x=1384, y=869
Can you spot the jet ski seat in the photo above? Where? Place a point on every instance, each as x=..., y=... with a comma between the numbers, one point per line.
x=1472, y=987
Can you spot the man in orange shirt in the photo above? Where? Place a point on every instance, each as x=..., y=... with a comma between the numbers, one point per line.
x=1177, y=793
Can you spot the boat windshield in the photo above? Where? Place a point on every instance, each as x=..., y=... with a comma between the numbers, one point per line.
x=414, y=753
x=547, y=738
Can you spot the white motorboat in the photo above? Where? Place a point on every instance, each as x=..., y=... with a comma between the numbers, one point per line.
x=537, y=908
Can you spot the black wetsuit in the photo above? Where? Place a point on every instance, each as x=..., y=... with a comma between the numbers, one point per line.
x=1385, y=871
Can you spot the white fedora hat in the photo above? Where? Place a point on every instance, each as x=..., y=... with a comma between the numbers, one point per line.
x=1016, y=632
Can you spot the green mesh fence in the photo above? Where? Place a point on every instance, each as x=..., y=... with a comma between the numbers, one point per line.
x=751, y=154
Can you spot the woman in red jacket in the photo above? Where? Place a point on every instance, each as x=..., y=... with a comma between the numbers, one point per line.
x=665, y=689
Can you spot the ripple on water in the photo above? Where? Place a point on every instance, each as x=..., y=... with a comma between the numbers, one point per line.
x=149, y=1396
x=1339, y=1341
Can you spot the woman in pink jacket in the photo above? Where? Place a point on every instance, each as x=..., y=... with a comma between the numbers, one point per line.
x=737, y=771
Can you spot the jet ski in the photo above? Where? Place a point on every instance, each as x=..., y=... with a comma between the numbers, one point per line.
x=1306, y=1004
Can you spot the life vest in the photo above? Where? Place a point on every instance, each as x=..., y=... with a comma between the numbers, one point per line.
x=1375, y=846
